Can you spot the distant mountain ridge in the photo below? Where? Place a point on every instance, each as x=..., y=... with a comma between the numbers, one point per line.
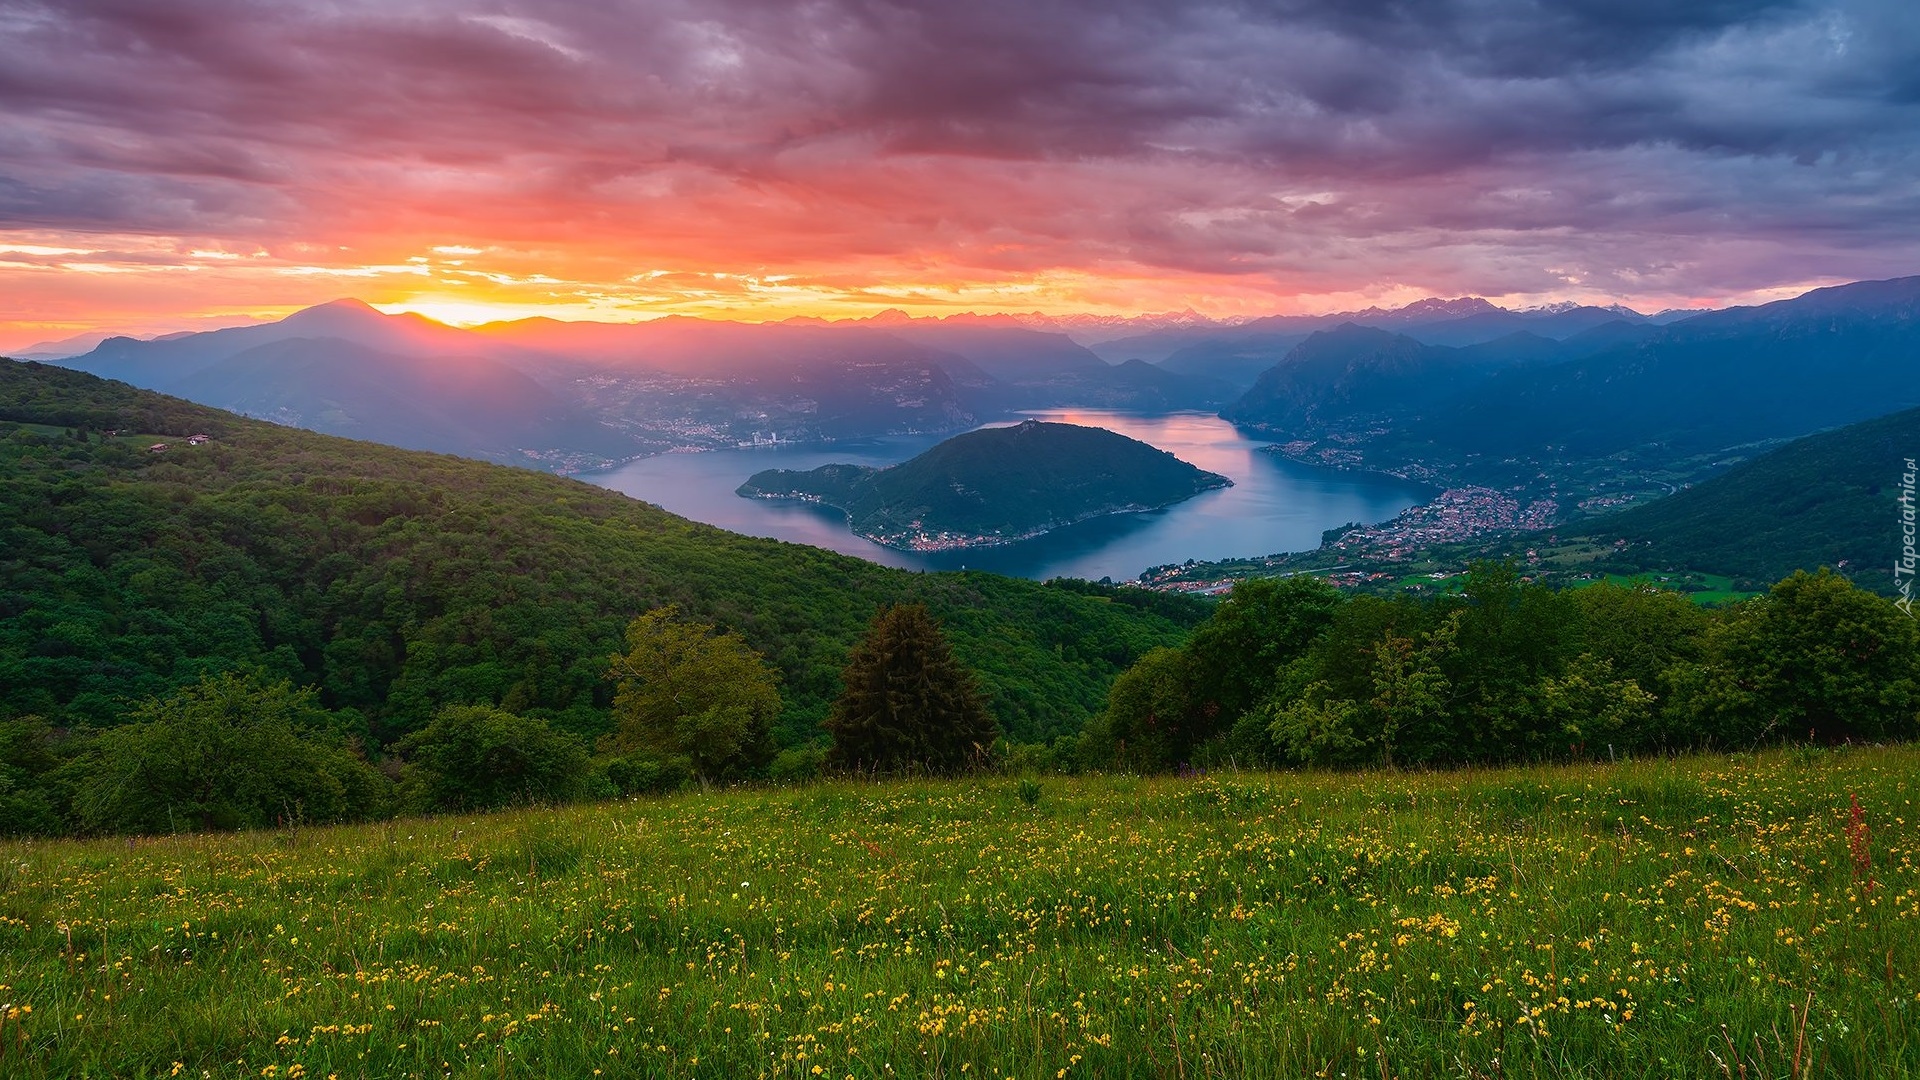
x=598, y=393
x=1715, y=382
x=1354, y=377
x=1580, y=377
x=1241, y=352
x=994, y=486
x=1726, y=378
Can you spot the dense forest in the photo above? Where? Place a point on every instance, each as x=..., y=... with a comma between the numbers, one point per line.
x=1292, y=672
x=257, y=624
x=397, y=583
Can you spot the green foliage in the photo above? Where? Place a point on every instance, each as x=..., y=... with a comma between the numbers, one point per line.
x=1062, y=756
x=1408, y=698
x=476, y=757
x=688, y=691
x=398, y=582
x=1643, y=631
x=908, y=704
x=798, y=764
x=1149, y=712
x=1514, y=670
x=1260, y=627
x=26, y=758
x=229, y=752
x=1005, y=482
x=1588, y=706
x=1815, y=657
x=1510, y=635
x=644, y=774
x=1170, y=704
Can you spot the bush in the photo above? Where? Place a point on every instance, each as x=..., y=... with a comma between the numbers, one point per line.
x=798, y=764
x=1029, y=759
x=1816, y=658
x=644, y=774
x=229, y=752
x=476, y=757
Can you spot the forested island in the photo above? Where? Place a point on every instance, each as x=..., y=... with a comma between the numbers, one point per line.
x=211, y=622
x=994, y=486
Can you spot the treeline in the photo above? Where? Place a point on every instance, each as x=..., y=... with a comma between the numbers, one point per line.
x=1290, y=672
x=279, y=627
x=693, y=704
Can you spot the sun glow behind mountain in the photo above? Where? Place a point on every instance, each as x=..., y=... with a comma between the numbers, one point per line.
x=164, y=168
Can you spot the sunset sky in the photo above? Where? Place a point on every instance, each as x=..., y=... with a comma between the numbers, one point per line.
x=171, y=164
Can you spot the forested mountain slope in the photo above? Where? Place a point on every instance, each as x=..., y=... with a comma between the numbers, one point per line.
x=1824, y=500
x=399, y=581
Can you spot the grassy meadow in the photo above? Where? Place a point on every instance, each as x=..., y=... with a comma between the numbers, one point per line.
x=1713, y=917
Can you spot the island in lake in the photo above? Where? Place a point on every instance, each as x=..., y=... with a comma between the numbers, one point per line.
x=994, y=486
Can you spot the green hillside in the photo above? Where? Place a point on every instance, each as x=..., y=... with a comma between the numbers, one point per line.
x=399, y=581
x=995, y=485
x=1824, y=500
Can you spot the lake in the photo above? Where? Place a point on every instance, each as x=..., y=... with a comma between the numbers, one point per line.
x=1275, y=505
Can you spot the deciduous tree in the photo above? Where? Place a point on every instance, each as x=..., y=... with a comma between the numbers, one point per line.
x=687, y=690
x=476, y=757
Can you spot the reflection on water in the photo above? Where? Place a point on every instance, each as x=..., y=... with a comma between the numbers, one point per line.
x=1274, y=505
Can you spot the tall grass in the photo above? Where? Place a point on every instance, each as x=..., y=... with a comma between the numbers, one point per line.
x=1706, y=917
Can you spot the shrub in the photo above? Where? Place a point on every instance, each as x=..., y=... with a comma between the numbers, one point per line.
x=476, y=757
x=229, y=752
x=644, y=774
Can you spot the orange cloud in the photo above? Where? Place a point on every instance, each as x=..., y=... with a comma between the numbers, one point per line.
x=161, y=164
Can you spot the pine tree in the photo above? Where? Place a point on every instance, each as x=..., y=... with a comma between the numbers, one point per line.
x=907, y=703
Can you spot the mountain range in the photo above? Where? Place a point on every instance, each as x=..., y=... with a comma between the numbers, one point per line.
x=1442, y=383
x=1714, y=387
x=567, y=396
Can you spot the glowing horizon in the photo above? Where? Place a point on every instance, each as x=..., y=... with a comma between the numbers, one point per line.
x=200, y=165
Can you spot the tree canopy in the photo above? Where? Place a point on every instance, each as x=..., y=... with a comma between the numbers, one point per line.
x=229, y=752
x=686, y=690
x=907, y=703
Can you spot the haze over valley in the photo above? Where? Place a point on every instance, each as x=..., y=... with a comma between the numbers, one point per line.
x=1527, y=420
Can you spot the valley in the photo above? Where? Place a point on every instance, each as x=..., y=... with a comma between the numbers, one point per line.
x=922, y=541
x=1443, y=397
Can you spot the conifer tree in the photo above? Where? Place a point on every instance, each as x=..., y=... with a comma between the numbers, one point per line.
x=907, y=703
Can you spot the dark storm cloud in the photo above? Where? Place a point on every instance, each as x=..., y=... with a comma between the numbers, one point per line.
x=1234, y=136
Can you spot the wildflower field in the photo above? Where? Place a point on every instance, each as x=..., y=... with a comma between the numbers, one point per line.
x=1714, y=917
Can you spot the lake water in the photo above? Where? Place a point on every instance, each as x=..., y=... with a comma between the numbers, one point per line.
x=1274, y=505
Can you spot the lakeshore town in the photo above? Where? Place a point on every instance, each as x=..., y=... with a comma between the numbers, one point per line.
x=1456, y=515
